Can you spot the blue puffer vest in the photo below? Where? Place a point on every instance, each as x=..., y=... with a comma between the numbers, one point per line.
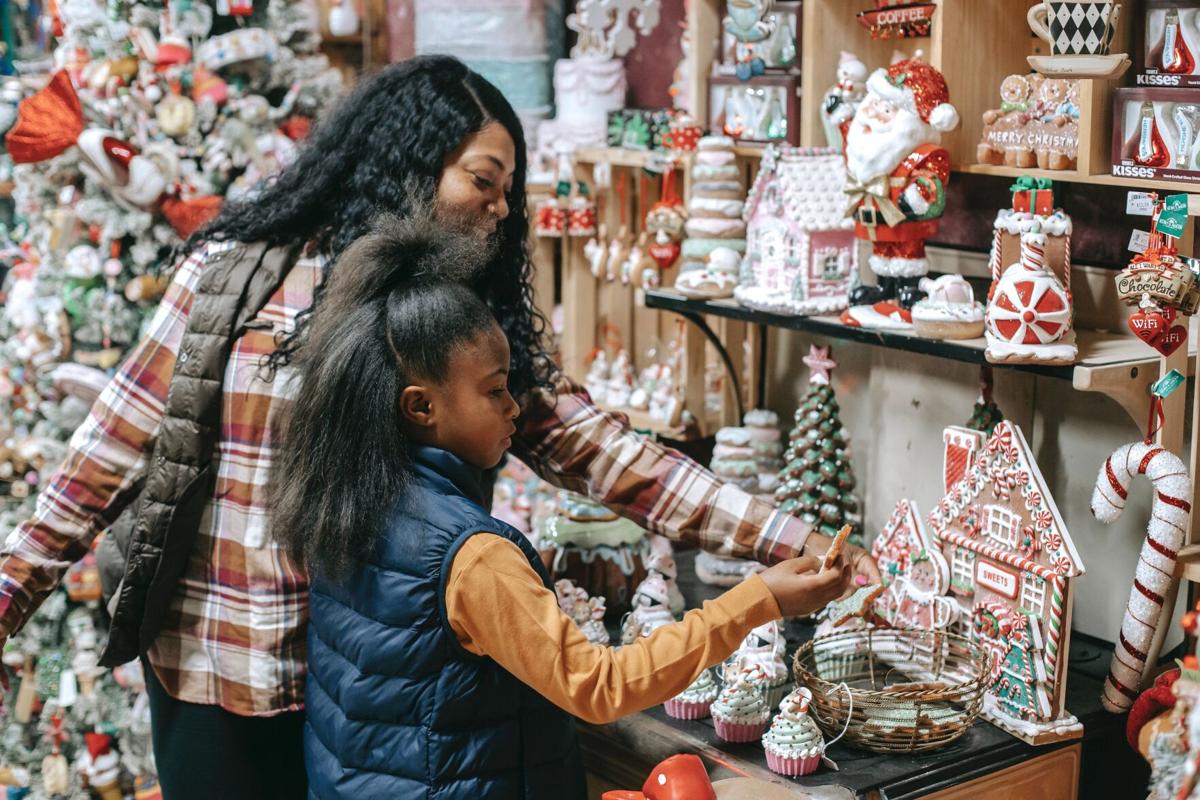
x=396, y=707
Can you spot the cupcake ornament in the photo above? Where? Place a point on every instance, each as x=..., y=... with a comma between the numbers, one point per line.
x=794, y=744
x=740, y=712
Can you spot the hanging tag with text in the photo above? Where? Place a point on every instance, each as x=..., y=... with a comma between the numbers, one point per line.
x=1139, y=241
x=1167, y=384
x=1173, y=218
x=1139, y=204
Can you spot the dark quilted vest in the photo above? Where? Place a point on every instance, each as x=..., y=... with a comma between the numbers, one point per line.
x=396, y=707
x=233, y=288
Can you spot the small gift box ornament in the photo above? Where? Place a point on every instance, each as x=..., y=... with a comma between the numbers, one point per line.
x=1033, y=195
x=684, y=134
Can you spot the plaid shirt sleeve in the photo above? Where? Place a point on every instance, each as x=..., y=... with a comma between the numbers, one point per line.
x=576, y=446
x=105, y=465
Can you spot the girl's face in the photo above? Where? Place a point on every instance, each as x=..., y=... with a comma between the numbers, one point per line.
x=476, y=180
x=471, y=414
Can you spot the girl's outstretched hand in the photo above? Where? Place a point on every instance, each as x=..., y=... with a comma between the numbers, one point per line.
x=801, y=587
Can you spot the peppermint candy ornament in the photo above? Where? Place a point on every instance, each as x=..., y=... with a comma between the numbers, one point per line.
x=1030, y=306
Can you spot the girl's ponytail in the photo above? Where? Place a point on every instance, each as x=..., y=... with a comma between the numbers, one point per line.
x=394, y=311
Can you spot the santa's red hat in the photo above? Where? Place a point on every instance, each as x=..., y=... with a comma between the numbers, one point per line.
x=920, y=88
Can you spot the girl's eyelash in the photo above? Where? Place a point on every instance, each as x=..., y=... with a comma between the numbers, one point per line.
x=484, y=181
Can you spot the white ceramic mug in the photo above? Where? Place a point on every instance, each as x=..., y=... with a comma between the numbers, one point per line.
x=1075, y=27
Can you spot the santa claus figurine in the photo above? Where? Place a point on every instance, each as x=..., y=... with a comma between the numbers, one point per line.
x=896, y=182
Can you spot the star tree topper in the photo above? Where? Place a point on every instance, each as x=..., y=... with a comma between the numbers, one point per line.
x=819, y=364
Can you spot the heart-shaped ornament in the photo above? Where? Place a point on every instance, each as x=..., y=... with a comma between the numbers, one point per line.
x=664, y=253
x=1170, y=341
x=1147, y=325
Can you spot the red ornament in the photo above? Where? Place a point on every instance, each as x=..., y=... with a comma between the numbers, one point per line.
x=1170, y=341
x=120, y=152
x=680, y=777
x=664, y=253
x=1147, y=325
x=1150, y=150
x=1177, y=58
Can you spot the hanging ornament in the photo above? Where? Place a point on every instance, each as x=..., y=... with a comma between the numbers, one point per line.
x=665, y=222
x=1151, y=150
x=1177, y=58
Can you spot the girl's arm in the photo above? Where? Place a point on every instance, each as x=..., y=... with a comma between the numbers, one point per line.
x=498, y=607
x=572, y=444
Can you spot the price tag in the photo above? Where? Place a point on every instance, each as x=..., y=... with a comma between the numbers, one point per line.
x=1139, y=204
x=1139, y=241
x=1174, y=215
x=1167, y=384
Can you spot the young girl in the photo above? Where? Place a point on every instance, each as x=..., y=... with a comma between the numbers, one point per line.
x=440, y=663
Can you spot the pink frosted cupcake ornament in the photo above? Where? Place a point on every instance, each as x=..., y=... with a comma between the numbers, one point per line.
x=763, y=649
x=740, y=713
x=794, y=744
x=696, y=700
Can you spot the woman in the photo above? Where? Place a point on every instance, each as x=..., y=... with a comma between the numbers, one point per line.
x=214, y=606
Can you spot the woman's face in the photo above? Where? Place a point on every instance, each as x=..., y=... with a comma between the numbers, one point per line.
x=476, y=179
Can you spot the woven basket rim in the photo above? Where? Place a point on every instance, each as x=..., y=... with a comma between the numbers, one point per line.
x=954, y=691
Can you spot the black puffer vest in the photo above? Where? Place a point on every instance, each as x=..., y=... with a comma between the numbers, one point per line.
x=234, y=286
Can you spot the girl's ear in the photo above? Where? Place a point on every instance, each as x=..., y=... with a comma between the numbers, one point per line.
x=417, y=407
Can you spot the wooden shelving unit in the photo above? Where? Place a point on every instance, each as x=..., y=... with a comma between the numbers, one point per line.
x=1069, y=176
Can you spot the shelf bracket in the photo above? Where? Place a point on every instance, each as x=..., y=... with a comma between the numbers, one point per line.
x=1127, y=384
x=702, y=325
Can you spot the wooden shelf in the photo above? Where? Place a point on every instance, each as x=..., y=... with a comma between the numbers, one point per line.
x=624, y=157
x=642, y=421
x=1106, y=360
x=1070, y=176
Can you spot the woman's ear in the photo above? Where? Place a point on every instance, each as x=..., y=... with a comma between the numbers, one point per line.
x=417, y=406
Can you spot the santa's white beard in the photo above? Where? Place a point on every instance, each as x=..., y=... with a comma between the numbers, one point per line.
x=880, y=151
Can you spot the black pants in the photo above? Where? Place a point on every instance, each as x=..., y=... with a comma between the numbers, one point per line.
x=205, y=752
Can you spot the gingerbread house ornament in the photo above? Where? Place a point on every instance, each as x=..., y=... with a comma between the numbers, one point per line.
x=1012, y=566
x=915, y=574
x=801, y=256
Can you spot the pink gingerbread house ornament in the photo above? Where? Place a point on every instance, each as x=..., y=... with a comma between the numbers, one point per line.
x=915, y=574
x=801, y=254
x=1012, y=566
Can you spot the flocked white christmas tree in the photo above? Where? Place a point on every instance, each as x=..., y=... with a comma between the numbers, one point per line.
x=143, y=118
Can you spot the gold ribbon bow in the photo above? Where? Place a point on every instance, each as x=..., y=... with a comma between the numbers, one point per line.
x=876, y=193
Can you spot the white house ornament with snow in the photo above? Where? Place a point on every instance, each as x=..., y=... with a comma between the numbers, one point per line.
x=916, y=576
x=801, y=254
x=1012, y=566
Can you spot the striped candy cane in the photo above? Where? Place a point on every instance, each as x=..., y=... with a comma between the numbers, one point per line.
x=1135, y=656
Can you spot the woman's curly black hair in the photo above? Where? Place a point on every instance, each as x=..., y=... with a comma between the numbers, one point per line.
x=382, y=151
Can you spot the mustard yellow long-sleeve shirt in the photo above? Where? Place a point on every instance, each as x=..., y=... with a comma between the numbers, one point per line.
x=499, y=608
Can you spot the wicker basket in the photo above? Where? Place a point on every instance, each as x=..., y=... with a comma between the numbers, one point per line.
x=905, y=691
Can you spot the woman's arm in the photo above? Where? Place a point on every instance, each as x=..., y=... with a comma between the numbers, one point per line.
x=105, y=464
x=498, y=607
x=574, y=445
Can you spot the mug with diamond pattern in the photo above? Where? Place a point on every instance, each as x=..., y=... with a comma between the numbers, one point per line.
x=1076, y=27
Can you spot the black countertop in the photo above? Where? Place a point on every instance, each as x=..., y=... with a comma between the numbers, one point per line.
x=1110, y=769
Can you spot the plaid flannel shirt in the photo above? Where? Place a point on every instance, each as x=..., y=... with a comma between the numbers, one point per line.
x=234, y=632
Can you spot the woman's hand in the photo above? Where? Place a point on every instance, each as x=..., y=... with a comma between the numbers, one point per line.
x=801, y=587
x=865, y=570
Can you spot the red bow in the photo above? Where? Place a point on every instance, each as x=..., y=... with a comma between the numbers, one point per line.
x=48, y=122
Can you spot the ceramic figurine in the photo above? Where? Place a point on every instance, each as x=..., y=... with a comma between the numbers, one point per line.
x=650, y=610
x=801, y=253
x=897, y=174
x=1012, y=568
x=748, y=23
x=794, y=745
x=841, y=101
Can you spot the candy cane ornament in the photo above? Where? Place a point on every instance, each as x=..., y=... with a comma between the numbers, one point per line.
x=1135, y=654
